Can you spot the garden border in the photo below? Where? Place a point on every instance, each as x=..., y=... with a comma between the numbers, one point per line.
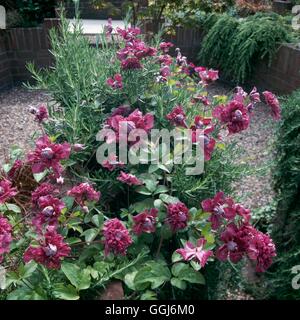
x=19, y=46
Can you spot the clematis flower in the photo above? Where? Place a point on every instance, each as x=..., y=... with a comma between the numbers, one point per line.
x=116, y=237
x=15, y=169
x=140, y=50
x=234, y=115
x=84, y=192
x=261, y=249
x=242, y=212
x=202, y=99
x=166, y=60
x=112, y=163
x=177, y=116
x=129, y=179
x=254, y=95
x=209, y=144
x=41, y=114
x=131, y=63
x=128, y=34
x=135, y=120
x=180, y=59
x=177, y=216
x=108, y=28
x=45, y=189
x=49, y=211
x=51, y=251
x=207, y=75
x=240, y=95
x=48, y=155
x=5, y=236
x=165, y=46
x=204, y=124
x=115, y=82
x=188, y=69
x=145, y=221
x=165, y=71
x=234, y=246
x=197, y=253
x=273, y=103
x=6, y=190
x=77, y=147
x=123, y=110
x=220, y=207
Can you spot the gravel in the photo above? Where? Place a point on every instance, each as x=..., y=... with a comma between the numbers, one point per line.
x=17, y=125
x=254, y=190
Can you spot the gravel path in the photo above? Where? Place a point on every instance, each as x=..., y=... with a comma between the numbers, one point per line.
x=255, y=190
x=16, y=123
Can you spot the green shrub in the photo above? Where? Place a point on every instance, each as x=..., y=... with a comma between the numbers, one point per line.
x=29, y=13
x=286, y=226
x=235, y=46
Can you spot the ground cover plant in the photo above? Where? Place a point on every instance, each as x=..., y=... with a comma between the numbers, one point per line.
x=70, y=225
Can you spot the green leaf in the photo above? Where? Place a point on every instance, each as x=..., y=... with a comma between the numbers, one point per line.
x=13, y=208
x=90, y=234
x=180, y=284
x=161, y=189
x=151, y=185
x=149, y=295
x=143, y=205
x=28, y=269
x=40, y=176
x=68, y=201
x=71, y=271
x=176, y=257
x=196, y=266
x=153, y=168
x=129, y=280
x=168, y=199
x=177, y=268
x=79, y=278
x=73, y=240
x=98, y=219
x=143, y=190
x=158, y=204
x=153, y=274
x=65, y=292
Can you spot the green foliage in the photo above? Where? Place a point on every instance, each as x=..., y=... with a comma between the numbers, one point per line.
x=286, y=226
x=29, y=13
x=235, y=46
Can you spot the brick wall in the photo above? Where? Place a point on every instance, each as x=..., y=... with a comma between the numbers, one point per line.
x=19, y=46
x=6, y=79
x=283, y=76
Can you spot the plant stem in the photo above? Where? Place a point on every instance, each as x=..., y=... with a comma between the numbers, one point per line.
x=160, y=244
